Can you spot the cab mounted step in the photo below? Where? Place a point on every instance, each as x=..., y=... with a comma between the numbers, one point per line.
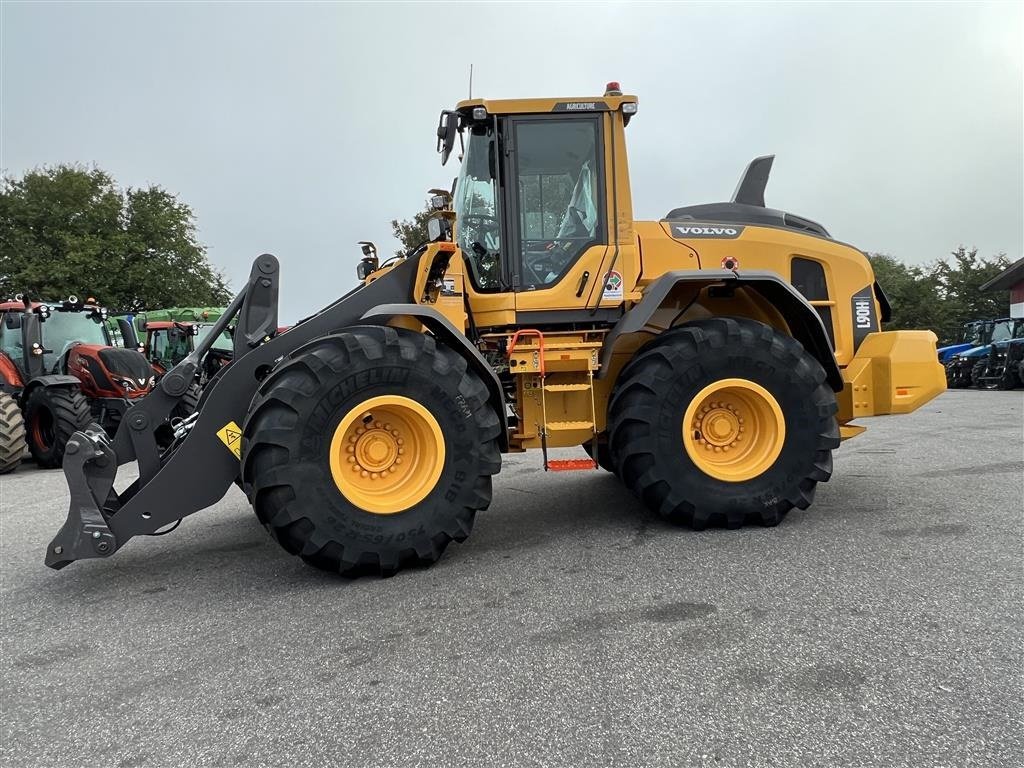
x=546, y=427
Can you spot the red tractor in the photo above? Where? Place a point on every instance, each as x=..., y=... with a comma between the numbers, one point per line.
x=58, y=373
x=168, y=343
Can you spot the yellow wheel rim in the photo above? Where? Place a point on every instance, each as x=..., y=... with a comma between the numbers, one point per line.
x=387, y=454
x=734, y=430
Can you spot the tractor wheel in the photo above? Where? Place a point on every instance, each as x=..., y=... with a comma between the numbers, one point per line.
x=723, y=421
x=604, y=457
x=12, y=434
x=1009, y=378
x=979, y=370
x=956, y=378
x=52, y=415
x=370, y=450
x=188, y=403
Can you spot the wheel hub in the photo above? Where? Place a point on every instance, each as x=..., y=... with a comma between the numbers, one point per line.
x=375, y=449
x=387, y=454
x=733, y=430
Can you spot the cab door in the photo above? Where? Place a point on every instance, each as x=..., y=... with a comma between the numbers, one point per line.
x=557, y=216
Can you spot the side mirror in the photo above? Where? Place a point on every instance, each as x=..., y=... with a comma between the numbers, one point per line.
x=447, y=127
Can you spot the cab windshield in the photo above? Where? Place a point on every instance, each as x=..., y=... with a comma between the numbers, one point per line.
x=974, y=333
x=478, y=232
x=1003, y=330
x=223, y=341
x=61, y=330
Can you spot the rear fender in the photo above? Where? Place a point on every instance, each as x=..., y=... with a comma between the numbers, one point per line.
x=804, y=323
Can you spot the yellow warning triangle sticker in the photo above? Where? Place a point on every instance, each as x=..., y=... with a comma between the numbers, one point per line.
x=231, y=435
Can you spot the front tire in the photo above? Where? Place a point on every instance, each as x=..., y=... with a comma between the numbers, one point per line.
x=52, y=415
x=723, y=421
x=370, y=450
x=12, y=434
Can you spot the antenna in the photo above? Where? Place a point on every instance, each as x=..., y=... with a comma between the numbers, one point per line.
x=471, y=80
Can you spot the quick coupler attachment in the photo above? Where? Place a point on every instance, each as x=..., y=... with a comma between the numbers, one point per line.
x=89, y=466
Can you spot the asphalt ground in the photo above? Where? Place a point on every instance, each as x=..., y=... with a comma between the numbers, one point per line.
x=882, y=627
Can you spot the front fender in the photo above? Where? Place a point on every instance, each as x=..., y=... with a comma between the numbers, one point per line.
x=441, y=327
x=52, y=380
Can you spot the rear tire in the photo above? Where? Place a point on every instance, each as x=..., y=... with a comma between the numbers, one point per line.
x=295, y=464
x=12, y=434
x=52, y=415
x=796, y=425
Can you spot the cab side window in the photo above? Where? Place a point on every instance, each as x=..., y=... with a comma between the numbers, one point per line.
x=10, y=336
x=558, y=196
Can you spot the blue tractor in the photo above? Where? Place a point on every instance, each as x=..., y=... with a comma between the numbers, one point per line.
x=974, y=334
x=1002, y=366
x=963, y=367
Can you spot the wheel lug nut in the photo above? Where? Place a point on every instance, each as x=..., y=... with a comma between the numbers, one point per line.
x=351, y=459
x=401, y=451
x=374, y=475
x=398, y=461
x=400, y=441
x=360, y=431
x=364, y=473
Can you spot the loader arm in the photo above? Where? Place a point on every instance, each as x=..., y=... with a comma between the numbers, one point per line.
x=203, y=462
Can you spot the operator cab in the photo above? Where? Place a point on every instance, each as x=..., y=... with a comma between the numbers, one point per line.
x=530, y=197
x=62, y=326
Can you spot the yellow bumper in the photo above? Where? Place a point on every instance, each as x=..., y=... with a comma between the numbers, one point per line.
x=892, y=372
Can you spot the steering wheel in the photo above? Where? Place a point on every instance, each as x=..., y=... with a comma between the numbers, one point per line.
x=483, y=267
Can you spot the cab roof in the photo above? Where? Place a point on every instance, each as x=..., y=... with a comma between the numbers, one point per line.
x=543, y=106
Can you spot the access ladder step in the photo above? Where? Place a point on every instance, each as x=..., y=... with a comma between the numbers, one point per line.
x=566, y=387
x=568, y=426
x=570, y=465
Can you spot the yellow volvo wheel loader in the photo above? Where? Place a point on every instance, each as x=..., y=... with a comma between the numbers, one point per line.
x=712, y=360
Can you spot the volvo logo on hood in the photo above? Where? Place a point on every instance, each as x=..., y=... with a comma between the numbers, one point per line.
x=719, y=231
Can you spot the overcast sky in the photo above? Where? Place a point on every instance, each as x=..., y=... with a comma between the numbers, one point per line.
x=300, y=129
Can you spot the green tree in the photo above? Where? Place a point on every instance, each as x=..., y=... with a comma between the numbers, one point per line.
x=69, y=230
x=411, y=233
x=941, y=295
x=959, y=281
